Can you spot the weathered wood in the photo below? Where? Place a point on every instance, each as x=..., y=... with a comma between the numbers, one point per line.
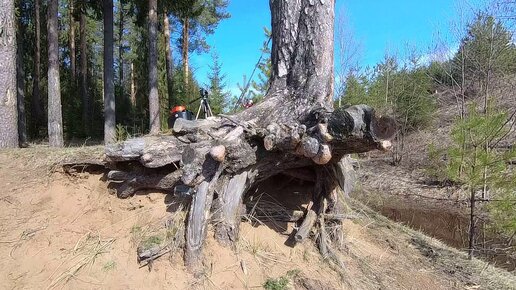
x=308, y=223
x=294, y=128
x=199, y=213
x=184, y=126
x=127, y=183
x=228, y=225
x=345, y=174
x=151, y=152
x=146, y=256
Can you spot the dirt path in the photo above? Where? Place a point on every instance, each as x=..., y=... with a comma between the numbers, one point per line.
x=62, y=232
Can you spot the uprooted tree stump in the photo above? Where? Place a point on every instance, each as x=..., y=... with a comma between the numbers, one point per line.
x=294, y=131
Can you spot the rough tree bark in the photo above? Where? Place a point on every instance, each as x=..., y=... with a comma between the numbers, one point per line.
x=184, y=51
x=121, y=20
x=153, y=68
x=84, y=72
x=109, y=75
x=71, y=41
x=20, y=79
x=55, y=119
x=294, y=129
x=168, y=59
x=37, y=115
x=8, y=109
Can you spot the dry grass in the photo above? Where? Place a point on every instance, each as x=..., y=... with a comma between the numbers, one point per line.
x=44, y=157
x=84, y=254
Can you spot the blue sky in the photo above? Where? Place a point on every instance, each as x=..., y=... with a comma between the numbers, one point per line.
x=379, y=26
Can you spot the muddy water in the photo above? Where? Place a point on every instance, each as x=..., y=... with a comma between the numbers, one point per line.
x=449, y=224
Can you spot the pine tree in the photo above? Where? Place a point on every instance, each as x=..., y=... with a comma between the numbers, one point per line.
x=8, y=108
x=169, y=60
x=154, y=107
x=483, y=167
x=198, y=19
x=355, y=91
x=218, y=95
x=37, y=115
x=109, y=75
x=20, y=80
x=55, y=119
x=488, y=51
x=83, y=71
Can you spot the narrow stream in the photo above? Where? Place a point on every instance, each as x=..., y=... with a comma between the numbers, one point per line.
x=450, y=226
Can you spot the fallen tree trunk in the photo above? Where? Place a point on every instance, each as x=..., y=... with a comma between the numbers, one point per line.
x=230, y=165
x=294, y=129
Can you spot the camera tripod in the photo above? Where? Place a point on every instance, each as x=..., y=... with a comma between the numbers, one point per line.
x=204, y=106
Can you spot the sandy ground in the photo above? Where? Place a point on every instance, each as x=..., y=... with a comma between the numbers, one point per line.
x=64, y=232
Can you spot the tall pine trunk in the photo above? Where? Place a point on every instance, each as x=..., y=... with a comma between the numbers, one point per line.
x=168, y=59
x=71, y=41
x=185, y=44
x=84, y=75
x=8, y=109
x=55, y=120
x=121, y=46
x=20, y=76
x=109, y=74
x=37, y=116
x=153, y=68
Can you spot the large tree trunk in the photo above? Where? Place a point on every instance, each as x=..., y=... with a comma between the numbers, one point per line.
x=294, y=128
x=55, y=119
x=168, y=59
x=121, y=45
x=84, y=74
x=8, y=107
x=109, y=74
x=153, y=68
x=37, y=116
x=20, y=75
x=71, y=41
x=184, y=52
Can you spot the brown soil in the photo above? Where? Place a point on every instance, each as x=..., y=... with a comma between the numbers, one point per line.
x=70, y=232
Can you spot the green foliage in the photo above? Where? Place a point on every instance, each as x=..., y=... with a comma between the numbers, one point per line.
x=276, y=284
x=403, y=92
x=217, y=94
x=503, y=211
x=486, y=49
x=436, y=163
x=437, y=71
x=471, y=164
x=121, y=133
x=151, y=241
x=356, y=89
x=282, y=282
x=260, y=87
x=204, y=17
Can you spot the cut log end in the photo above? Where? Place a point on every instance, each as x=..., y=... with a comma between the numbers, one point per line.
x=218, y=153
x=323, y=156
x=383, y=128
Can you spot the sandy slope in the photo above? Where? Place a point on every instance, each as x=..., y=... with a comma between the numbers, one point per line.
x=64, y=232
